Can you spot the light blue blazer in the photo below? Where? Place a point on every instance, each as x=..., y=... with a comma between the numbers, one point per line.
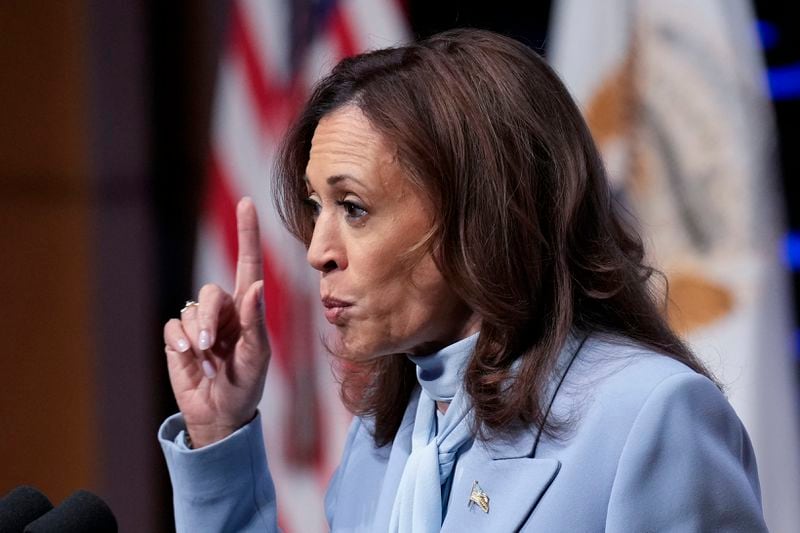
x=647, y=445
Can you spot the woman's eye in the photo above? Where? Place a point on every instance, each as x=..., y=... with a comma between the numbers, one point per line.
x=313, y=207
x=353, y=210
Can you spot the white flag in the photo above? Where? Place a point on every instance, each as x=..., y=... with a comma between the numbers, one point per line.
x=675, y=94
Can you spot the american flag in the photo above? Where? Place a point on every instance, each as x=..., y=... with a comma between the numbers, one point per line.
x=276, y=50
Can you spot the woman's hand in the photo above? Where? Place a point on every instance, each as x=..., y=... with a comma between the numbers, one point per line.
x=218, y=351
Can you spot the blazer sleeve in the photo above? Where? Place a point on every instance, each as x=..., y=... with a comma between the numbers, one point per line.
x=687, y=465
x=222, y=487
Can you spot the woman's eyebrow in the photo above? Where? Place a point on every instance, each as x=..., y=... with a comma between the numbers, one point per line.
x=333, y=180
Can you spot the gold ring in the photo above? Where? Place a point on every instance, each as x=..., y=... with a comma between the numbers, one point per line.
x=189, y=303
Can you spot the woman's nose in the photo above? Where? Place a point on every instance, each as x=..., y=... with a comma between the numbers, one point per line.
x=326, y=251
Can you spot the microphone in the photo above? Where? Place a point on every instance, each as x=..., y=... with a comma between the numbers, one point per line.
x=20, y=507
x=81, y=512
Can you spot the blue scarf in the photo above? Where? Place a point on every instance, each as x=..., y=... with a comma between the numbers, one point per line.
x=418, y=503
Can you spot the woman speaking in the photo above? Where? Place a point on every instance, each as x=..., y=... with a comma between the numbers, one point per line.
x=504, y=352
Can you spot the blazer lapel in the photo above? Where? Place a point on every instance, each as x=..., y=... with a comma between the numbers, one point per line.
x=512, y=480
x=365, y=495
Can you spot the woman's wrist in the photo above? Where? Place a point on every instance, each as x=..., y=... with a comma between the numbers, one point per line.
x=198, y=436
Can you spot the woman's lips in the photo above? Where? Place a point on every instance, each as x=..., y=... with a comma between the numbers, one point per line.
x=334, y=309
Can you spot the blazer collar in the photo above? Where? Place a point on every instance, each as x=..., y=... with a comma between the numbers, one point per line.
x=506, y=471
x=513, y=482
x=522, y=443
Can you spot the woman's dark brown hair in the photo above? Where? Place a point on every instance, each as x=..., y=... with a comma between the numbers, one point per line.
x=525, y=230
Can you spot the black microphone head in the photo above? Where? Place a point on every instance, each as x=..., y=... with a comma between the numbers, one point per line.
x=81, y=512
x=20, y=507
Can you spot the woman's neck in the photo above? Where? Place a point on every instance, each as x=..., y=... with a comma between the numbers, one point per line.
x=441, y=373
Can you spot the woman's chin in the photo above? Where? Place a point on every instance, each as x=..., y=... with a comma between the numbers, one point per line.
x=351, y=344
x=357, y=350
x=341, y=342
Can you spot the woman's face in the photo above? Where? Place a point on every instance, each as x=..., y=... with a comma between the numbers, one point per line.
x=368, y=215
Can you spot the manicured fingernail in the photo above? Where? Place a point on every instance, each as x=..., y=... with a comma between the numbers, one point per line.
x=183, y=345
x=204, y=341
x=208, y=369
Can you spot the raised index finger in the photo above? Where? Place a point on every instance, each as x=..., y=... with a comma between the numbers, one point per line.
x=249, y=267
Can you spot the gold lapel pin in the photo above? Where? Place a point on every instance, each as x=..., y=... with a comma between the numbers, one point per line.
x=479, y=498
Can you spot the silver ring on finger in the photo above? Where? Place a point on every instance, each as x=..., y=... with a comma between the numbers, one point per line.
x=189, y=303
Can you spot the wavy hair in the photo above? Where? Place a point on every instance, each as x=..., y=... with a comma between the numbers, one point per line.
x=525, y=231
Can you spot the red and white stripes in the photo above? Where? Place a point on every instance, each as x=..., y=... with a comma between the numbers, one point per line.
x=257, y=95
